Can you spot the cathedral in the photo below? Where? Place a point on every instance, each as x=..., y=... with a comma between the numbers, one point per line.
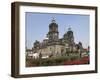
x=54, y=46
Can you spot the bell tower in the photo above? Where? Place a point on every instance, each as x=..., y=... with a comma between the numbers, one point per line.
x=68, y=36
x=53, y=33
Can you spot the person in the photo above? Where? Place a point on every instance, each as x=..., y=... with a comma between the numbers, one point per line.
x=80, y=52
x=88, y=50
x=80, y=49
x=40, y=55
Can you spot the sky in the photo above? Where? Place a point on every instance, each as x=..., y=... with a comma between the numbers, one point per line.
x=37, y=26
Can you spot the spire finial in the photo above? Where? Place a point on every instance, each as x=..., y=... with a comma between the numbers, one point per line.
x=69, y=29
x=53, y=20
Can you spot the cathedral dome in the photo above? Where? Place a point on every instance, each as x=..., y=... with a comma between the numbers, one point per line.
x=36, y=42
x=69, y=34
x=53, y=23
x=53, y=26
x=53, y=33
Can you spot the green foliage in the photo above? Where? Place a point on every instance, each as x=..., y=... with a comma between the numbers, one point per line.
x=53, y=60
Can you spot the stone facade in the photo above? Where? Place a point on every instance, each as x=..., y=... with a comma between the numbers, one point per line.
x=53, y=46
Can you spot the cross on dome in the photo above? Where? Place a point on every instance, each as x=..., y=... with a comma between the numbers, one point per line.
x=69, y=29
x=53, y=20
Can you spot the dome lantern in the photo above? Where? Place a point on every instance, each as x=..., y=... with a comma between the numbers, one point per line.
x=53, y=20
